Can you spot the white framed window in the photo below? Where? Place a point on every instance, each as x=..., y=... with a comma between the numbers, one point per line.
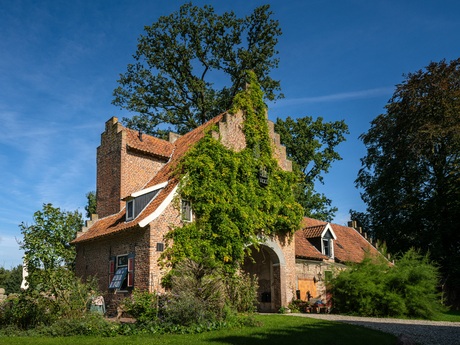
x=327, y=247
x=130, y=209
x=186, y=211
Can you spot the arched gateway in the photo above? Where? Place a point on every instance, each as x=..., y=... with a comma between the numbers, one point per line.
x=268, y=264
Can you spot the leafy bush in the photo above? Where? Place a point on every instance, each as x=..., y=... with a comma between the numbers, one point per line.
x=57, y=294
x=90, y=324
x=242, y=292
x=375, y=288
x=197, y=295
x=27, y=310
x=298, y=306
x=143, y=306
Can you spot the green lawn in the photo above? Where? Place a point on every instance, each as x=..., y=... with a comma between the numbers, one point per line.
x=451, y=316
x=275, y=330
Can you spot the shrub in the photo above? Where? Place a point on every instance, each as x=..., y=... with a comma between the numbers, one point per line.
x=298, y=306
x=91, y=324
x=197, y=295
x=143, y=306
x=27, y=310
x=57, y=294
x=242, y=292
x=375, y=288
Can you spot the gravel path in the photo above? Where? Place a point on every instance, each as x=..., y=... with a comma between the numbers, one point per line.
x=420, y=331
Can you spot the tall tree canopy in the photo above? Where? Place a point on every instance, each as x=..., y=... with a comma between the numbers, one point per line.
x=311, y=145
x=190, y=64
x=91, y=204
x=46, y=243
x=411, y=173
x=189, y=67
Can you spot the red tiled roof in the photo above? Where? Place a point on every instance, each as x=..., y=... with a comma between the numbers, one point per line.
x=350, y=245
x=116, y=223
x=148, y=144
x=314, y=231
x=304, y=249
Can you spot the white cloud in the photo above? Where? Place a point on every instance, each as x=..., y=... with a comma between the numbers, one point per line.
x=342, y=96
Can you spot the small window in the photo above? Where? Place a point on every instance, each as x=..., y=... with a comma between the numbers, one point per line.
x=186, y=211
x=326, y=247
x=121, y=272
x=130, y=209
x=160, y=247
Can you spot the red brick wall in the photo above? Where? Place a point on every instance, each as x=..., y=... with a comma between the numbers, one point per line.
x=109, y=169
x=120, y=171
x=93, y=258
x=169, y=219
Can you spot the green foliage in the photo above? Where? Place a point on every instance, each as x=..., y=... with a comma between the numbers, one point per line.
x=197, y=295
x=46, y=243
x=242, y=292
x=143, y=306
x=298, y=306
x=311, y=145
x=90, y=207
x=27, y=310
x=180, y=56
x=11, y=280
x=90, y=324
x=58, y=294
x=270, y=330
x=232, y=210
x=375, y=288
x=411, y=173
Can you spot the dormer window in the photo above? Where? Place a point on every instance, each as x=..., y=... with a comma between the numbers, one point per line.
x=322, y=238
x=327, y=247
x=186, y=210
x=130, y=209
x=327, y=243
x=138, y=201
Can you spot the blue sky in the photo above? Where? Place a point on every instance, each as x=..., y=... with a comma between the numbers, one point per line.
x=60, y=60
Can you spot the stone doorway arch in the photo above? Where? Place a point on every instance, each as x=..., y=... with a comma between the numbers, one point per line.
x=268, y=264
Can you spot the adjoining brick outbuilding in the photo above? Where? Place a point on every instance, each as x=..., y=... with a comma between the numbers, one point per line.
x=137, y=205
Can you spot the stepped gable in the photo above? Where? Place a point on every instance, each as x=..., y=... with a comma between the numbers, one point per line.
x=350, y=245
x=116, y=223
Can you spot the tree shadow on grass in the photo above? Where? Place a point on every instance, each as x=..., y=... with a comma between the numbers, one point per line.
x=303, y=331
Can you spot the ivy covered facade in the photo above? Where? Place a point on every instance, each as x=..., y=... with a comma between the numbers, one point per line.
x=221, y=193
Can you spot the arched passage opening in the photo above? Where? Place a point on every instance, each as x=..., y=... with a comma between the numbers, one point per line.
x=267, y=263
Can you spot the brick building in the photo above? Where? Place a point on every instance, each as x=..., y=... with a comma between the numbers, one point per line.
x=137, y=205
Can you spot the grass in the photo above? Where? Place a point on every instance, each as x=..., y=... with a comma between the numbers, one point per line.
x=275, y=329
x=451, y=316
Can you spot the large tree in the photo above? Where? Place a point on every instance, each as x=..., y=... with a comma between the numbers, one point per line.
x=411, y=173
x=46, y=243
x=311, y=145
x=189, y=67
x=190, y=64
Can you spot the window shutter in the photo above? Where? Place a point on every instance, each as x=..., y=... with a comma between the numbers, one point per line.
x=130, y=282
x=111, y=268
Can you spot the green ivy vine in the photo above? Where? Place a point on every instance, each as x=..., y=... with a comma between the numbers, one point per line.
x=232, y=209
